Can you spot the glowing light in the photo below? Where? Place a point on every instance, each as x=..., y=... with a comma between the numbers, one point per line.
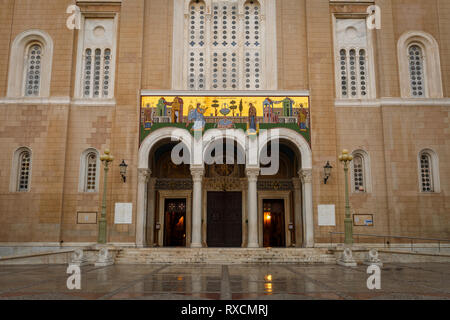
x=180, y=222
x=268, y=278
x=267, y=217
x=268, y=287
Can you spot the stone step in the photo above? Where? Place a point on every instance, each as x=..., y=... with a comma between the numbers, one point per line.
x=224, y=256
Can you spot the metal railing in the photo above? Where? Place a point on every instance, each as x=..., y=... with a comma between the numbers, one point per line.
x=387, y=238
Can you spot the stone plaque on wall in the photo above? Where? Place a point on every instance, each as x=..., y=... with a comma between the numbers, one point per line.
x=86, y=217
x=123, y=213
x=327, y=215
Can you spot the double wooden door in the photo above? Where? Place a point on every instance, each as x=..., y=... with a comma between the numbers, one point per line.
x=224, y=219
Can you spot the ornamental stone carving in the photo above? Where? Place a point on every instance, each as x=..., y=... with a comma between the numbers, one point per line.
x=252, y=174
x=104, y=258
x=197, y=174
x=305, y=175
x=372, y=258
x=223, y=184
x=144, y=175
x=78, y=258
x=275, y=185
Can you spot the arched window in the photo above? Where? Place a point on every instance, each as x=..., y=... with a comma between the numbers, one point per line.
x=416, y=71
x=225, y=45
x=30, y=65
x=360, y=172
x=21, y=170
x=24, y=171
x=419, y=64
x=33, y=74
x=89, y=171
x=428, y=171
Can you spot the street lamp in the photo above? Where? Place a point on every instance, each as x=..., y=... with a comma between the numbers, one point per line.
x=106, y=159
x=345, y=158
x=327, y=172
x=123, y=170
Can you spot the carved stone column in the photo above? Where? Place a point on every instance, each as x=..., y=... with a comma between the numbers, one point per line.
x=150, y=225
x=306, y=177
x=298, y=219
x=143, y=178
x=197, y=178
x=252, y=207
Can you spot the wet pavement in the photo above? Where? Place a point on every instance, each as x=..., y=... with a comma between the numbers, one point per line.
x=217, y=282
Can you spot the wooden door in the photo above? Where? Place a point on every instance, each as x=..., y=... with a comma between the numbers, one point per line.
x=175, y=223
x=274, y=224
x=224, y=219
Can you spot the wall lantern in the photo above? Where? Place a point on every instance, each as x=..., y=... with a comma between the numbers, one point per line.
x=158, y=226
x=327, y=172
x=123, y=170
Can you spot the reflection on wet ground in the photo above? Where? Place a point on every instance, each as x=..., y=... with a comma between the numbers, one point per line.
x=237, y=282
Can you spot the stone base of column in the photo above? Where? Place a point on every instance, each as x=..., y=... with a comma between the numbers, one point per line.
x=196, y=245
x=253, y=245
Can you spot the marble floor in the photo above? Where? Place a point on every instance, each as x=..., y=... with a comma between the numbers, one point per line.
x=217, y=282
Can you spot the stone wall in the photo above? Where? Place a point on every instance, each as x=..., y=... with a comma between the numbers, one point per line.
x=58, y=132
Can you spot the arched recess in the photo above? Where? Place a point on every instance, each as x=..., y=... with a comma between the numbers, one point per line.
x=17, y=62
x=297, y=143
x=144, y=172
x=432, y=63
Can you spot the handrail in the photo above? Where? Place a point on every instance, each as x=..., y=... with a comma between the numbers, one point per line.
x=384, y=236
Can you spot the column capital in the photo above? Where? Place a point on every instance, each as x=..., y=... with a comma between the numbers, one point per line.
x=305, y=175
x=297, y=182
x=197, y=174
x=144, y=175
x=252, y=174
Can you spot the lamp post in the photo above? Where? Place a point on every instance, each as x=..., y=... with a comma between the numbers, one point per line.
x=106, y=159
x=345, y=158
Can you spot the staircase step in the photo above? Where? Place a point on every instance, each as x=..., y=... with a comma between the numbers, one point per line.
x=223, y=256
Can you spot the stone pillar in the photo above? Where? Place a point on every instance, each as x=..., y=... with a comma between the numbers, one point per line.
x=298, y=219
x=252, y=207
x=150, y=225
x=197, y=177
x=306, y=177
x=143, y=178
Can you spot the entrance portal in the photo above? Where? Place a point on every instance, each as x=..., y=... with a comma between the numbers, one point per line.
x=224, y=219
x=175, y=223
x=274, y=232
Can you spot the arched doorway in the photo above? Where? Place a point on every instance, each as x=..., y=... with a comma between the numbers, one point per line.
x=169, y=217
x=224, y=189
x=279, y=195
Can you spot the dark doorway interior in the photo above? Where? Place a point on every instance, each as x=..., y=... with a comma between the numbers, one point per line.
x=224, y=219
x=274, y=232
x=175, y=223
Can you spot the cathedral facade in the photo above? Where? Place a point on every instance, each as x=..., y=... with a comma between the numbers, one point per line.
x=225, y=118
